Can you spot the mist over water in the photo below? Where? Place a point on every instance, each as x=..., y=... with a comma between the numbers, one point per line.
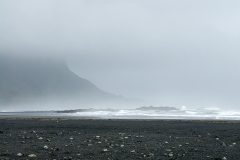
x=129, y=54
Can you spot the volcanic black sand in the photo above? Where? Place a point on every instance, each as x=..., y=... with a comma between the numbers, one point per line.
x=119, y=139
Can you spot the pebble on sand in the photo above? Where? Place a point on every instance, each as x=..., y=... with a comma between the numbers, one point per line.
x=40, y=138
x=170, y=154
x=133, y=151
x=97, y=137
x=105, y=150
x=32, y=155
x=19, y=154
x=34, y=131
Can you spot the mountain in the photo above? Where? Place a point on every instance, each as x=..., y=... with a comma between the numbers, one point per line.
x=41, y=81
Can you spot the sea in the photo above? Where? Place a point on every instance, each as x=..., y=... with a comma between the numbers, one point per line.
x=149, y=112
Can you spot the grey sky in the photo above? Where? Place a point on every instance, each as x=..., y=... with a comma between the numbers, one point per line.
x=165, y=52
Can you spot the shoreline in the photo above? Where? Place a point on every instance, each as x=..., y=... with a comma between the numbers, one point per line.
x=23, y=117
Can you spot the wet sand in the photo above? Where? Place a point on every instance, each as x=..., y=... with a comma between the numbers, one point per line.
x=45, y=138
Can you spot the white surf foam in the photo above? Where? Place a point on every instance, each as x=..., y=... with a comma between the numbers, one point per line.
x=179, y=113
x=141, y=113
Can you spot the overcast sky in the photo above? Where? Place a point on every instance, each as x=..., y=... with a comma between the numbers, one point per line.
x=165, y=52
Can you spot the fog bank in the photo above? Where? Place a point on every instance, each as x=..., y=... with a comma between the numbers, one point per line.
x=170, y=53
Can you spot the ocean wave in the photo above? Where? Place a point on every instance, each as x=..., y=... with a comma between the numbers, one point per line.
x=141, y=113
x=162, y=113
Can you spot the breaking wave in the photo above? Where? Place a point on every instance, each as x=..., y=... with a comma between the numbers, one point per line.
x=139, y=113
x=162, y=113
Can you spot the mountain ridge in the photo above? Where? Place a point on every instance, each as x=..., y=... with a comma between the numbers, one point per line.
x=26, y=80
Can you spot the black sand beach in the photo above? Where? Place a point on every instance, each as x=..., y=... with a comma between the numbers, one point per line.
x=118, y=139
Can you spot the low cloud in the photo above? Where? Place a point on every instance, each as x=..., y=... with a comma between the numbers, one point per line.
x=169, y=52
